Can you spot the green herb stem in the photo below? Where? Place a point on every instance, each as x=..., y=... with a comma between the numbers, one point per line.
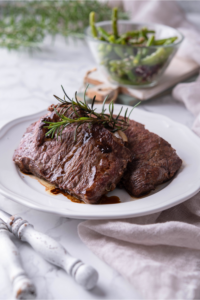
x=89, y=116
x=92, y=24
x=114, y=22
x=25, y=24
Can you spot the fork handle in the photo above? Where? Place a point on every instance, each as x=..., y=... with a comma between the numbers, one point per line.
x=9, y=258
x=54, y=252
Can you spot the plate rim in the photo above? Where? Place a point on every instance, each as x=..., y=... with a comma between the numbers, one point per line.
x=78, y=215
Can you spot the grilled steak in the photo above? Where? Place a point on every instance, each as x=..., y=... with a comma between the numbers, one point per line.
x=154, y=160
x=87, y=168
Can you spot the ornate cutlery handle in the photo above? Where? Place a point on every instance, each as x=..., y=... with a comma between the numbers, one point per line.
x=53, y=252
x=9, y=257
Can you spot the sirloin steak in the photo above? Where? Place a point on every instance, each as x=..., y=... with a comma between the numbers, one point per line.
x=87, y=168
x=154, y=160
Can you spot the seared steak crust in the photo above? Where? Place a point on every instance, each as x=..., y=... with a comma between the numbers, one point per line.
x=86, y=168
x=154, y=160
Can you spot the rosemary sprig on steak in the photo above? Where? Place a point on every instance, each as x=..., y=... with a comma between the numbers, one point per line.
x=86, y=114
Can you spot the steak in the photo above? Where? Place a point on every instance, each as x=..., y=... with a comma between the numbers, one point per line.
x=154, y=161
x=86, y=168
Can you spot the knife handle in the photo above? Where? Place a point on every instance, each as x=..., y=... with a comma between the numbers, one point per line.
x=53, y=252
x=9, y=258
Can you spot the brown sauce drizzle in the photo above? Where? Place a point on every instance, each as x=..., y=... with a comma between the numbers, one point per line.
x=53, y=190
x=109, y=200
x=104, y=199
x=57, y=191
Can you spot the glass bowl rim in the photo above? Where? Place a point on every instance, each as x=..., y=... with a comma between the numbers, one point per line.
x=135, y=23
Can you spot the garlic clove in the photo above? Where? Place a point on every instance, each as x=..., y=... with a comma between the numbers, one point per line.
x=121, y=135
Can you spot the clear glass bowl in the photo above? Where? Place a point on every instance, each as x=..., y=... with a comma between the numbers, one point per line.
x=133, y=66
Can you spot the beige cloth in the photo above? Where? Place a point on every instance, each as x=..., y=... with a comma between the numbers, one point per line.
x=159, y=254
x=189, y=94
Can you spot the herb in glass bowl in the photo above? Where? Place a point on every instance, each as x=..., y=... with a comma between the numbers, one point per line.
x=130, y=52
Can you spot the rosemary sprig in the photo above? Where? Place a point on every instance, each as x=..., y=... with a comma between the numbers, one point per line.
x=89, y=116
x=25, y=24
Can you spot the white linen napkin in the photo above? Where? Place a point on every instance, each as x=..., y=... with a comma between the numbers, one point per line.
x=159, y=254
x=189, y=94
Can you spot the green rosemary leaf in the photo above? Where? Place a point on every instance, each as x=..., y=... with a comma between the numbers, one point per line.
x=111, y=108
x=76, y=97
x=53, y=132
x=66, y=94
x=84, y=97
x=115, y=130
x=81, y=103
x=119, y=113
x=83, y=119
x=103, y=110
x=49, y=132
x=133, y=109
x=59, y=99
x=57, y=112
x=74, y=109
x=64, y=111
x=93, y=100
x=88, y=115
x=125, y=114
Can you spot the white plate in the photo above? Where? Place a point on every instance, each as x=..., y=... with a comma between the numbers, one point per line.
x=30, y=192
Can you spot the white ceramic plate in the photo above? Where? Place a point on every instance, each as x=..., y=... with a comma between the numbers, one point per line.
x=30, y=192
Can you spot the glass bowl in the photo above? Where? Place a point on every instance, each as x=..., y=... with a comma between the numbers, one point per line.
x=133, y=66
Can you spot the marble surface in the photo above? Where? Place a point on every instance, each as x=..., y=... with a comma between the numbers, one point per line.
x=28, y=81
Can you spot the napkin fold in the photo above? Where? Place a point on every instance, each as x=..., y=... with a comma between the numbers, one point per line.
x=189, y=94
x=159, y=253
